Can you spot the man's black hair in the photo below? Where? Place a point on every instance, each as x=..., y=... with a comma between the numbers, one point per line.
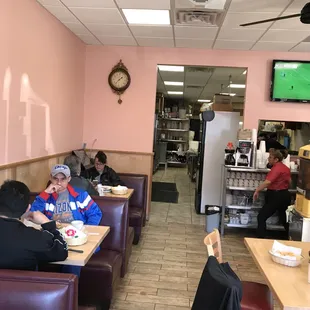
x=101, y=157
x=14, y=198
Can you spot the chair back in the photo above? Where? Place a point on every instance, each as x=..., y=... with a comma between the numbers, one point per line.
x=30, y=290
x=213, y=244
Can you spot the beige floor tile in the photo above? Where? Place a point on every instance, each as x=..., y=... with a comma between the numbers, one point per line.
x=159, y=284
x=166, y=307
x=165, y=267
x=137, y=290
x=126, y=305
x=159, y=300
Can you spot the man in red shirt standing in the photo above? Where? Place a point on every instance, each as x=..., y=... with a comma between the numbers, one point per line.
x=277, y=196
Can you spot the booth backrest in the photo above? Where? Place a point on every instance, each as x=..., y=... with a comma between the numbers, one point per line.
x=115, y=215
x=139, y=183
x=30, y=290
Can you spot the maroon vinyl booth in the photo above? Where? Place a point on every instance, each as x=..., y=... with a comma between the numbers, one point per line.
x=138, y=201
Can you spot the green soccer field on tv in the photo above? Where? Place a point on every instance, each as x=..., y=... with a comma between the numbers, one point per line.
x=291, y=81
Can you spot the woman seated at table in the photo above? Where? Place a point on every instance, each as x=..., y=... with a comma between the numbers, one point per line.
x=102, y=173
x=277, y=196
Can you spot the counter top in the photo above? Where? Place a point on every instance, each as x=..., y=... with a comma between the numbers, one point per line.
x=250, y=169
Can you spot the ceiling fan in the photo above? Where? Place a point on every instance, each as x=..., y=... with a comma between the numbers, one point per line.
x=304, y=17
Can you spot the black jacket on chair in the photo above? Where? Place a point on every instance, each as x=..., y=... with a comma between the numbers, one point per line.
x=219, y=288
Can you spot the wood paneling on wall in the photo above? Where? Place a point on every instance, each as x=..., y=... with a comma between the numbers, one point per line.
x=35, y=172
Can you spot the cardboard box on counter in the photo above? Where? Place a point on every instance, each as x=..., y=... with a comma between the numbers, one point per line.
x=222, y=103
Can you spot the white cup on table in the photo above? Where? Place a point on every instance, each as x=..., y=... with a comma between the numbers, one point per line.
x=78, y=224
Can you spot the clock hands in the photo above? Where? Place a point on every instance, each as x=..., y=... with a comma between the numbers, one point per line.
x=119, y=79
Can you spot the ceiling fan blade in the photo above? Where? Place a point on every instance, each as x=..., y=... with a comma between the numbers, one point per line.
x=270, y=20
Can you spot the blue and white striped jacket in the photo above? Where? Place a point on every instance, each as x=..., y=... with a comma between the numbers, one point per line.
x=82, y=205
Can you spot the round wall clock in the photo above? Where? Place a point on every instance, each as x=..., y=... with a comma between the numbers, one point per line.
x=119, y=79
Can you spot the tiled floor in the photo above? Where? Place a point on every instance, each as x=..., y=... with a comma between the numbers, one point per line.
x=166, y=265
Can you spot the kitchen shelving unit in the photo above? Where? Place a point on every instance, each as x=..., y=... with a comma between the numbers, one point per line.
x=226, y=188
x=176, y=131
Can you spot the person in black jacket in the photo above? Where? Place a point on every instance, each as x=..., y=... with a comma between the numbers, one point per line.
x=74, y=164
x=102, y=173
x=23, y=247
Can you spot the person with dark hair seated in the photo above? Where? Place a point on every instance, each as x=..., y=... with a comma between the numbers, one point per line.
x=25, y=247
x=102, y=173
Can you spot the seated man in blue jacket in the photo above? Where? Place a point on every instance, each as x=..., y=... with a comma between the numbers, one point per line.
x=63, y=203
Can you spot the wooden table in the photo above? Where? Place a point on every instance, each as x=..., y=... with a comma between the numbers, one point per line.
x=289, y=285
x=127, y=196
x=80, y=259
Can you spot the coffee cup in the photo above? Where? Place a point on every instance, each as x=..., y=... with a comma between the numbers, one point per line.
x=78, y=224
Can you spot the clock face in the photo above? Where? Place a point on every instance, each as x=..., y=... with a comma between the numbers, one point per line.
x=119, y=80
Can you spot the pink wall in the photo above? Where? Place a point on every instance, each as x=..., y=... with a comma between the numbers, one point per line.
x=41, y=83
x=129, y=126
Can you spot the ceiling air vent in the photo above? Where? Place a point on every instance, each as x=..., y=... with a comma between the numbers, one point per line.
x=206, y=18
x=194, y=86
x=200, y=69
x=202, y=4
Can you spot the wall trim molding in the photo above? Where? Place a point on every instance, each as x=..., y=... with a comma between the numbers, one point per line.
x=32, y=160
x=120, y=152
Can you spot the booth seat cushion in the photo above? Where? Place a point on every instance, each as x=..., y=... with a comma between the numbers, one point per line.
x=135, y=216
x=255, y=296
x=107, y=263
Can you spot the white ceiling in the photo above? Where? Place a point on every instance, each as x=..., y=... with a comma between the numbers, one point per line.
x=101, y=22
x=207, y=81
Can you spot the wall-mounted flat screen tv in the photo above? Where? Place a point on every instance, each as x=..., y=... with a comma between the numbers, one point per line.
x=290, y=81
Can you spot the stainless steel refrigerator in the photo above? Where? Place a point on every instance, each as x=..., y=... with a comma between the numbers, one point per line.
x=217, y=131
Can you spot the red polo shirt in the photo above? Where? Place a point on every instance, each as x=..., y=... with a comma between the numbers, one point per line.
x=279, y=176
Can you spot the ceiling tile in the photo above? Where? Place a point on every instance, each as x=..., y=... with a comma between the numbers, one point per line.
x=144, y=4
x=244, y=34
x=233, y=45
x=50, y=2
x=275, y=6
x=89, y=3
x=172, y=76
x=302, y=47
x=273, y=46
x=77, y=28
x=285, y=35
x=63, y=14
x=290, y=24
x=89, y=39
x=156, y=42
x=185, y=32
x=102, y=16
x=152, y=31
x=109, y=30
x=194, y=43
x=233, y=20
x=125, y=41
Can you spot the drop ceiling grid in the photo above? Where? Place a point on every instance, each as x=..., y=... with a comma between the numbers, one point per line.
x=103, y=22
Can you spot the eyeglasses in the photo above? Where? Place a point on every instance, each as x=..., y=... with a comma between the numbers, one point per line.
x=98, y=164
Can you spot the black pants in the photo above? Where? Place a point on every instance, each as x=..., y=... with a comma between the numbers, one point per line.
x=274, y=201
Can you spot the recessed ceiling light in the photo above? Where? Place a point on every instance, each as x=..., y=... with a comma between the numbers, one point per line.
x=175, y=92
x=228, y=94
x=147, y=17
x=236, y=85
x=174, y=83
x=171, y=68
x=245, y=72
x=204, y=100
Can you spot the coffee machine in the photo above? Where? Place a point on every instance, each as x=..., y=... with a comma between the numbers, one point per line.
x=302, y=204
x=244, y=152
